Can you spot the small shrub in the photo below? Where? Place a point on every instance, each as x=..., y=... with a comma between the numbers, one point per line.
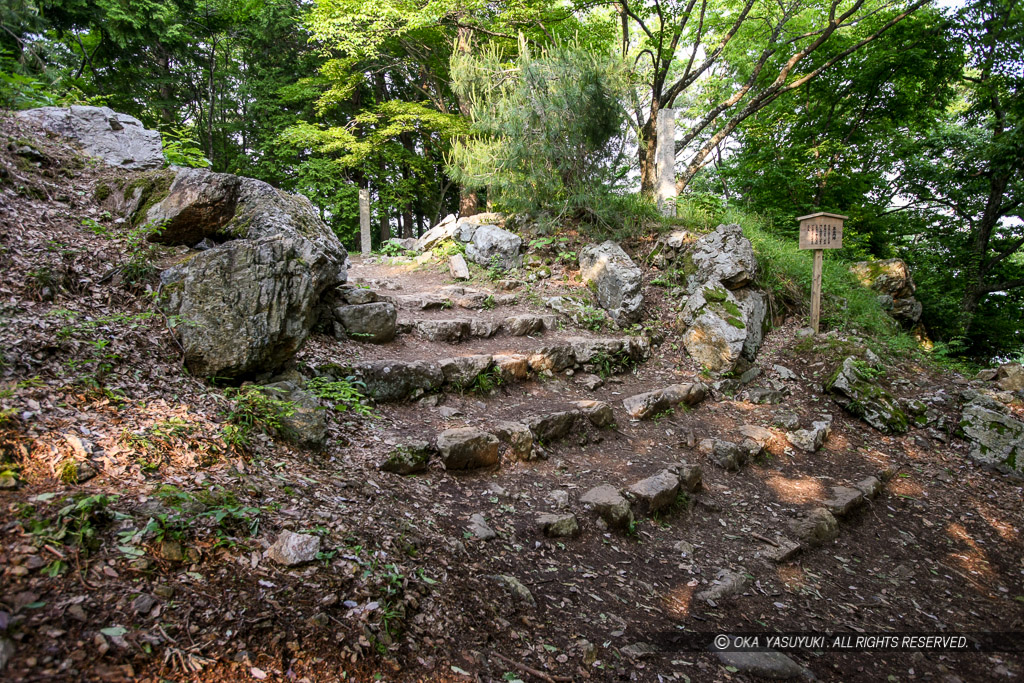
x=253, y=410
x=343, y=394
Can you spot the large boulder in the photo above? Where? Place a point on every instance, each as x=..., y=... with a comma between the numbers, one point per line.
x=374, y=322
x=892, y=280
x=616, y=280
x=116, y=139
x=997, y=438
x=854, y=387
x=722, y=256
x=493, y=246
x=723, y=325
x=247, y=304
x=1010, y=377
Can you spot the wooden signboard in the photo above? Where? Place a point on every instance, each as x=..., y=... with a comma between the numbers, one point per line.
x=819, y=231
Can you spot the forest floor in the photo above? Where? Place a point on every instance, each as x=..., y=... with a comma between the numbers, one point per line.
x=134, y=537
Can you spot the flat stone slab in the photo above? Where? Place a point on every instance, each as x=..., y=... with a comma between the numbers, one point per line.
x=292, y=549
x=647, y=405
x=770, y=665
x=466, y=448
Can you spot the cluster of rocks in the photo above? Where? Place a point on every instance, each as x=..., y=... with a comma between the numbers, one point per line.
x=396, y=380
x=469, y=448
x=618, y=509
x=892, y=280
x=820, y=525
x=485, y=243
x=1007, y=377
x=725, y=316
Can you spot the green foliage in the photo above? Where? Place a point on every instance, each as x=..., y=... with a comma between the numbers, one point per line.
x=343, y=394
x=544, y=128
x=76, y=523
x=252, y=410
x=181, y=149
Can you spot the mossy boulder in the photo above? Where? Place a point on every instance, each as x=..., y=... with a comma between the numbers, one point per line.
x=997, y=438
x=722, y=326
x=408, y=458
x=854, y=386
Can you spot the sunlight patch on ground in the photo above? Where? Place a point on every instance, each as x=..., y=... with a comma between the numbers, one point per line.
x=974, y=560
x=796, y=490
x=904, y=486
x=677, y=601
x=1007, y=531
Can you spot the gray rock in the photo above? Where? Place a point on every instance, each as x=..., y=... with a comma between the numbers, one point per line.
x=553, y=358
x=691, y=477
x=117, y=139
x=437, y=234
x=462, y=371
x=408, y=458
x=291, y=549
x=726, y=584
x=590, y=382
x=558, y=498
x=654, y=493
x=484, y=328
x=787, y=420
x=771, y=665
x=251, y=302
x=810, y=440
x=472, y=300
x=480, y=529
x=723, y=256
x=723, y=326
x=786, y=551
x=559, y=525
x=609, y=505
x=844, y=500
x=617, y=280
x=358, y=295
x=726, y=454
x=306, y=426
x=870, y=486
x=390, y=381
x=446, y=331
x=517, y=437
x=520, y=594
x=406, y=243
x=1010, y=377
x=816, y=527
x=987, y=375
x=492, y=245
x=784, y=373
x=553, y=426
x=599, y=413
x=996, y=437
x=523, y=325
x=856, y=391
x=370, y=322
x=647, y=405
x=466, y=448
x=458, y=267
x=424, y=302
x=143, y=604
x=763, y=396
x=760, y=435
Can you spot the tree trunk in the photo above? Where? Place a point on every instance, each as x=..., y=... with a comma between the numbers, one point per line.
x=385, y=225
x=647, y=150
x=469, y=202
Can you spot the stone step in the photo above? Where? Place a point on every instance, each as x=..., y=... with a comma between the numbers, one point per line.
x=469, y=448
x=388, y=381
x=455, y=330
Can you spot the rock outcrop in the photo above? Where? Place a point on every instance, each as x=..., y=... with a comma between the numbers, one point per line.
x=615, y=278
x=892, y=280
x=724, y=318
x=485, y=243
x=854, y=388
x=248, y=303
x=116, y=139
x=996, y=436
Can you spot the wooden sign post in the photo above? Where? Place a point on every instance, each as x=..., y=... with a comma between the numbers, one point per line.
x=820, y=231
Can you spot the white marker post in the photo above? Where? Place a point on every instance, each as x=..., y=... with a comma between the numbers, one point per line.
x=665, y=162
x=820, y=231
x=364, y=221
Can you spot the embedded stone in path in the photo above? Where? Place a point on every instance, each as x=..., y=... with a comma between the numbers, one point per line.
x=771, y=665
x=599, y=413
x=654, y=493
x=463, y=370
x=726, y=584
x=609, y=505
x=374, y=322
x=388, y=381
x=559, y=525
x=651, y=403
x=691, y=477
x=407, y=458
x=816, y=527
x=810, y=440
x=466, y=448
x=522, y=325
x=480, y=529
x=291, y=549
x=517, y=437
x=844, y=500
x=447, y=331
x=553, y=426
